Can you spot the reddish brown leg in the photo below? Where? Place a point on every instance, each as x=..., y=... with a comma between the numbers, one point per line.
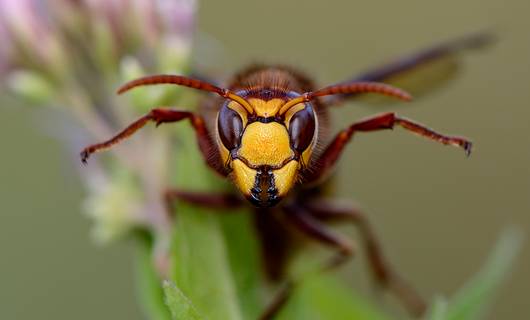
x=159, y=116
x=203, y=199
x=329, y=157
x=279, y=300
x=382, y=271
x=276, y=242
x=303, y=221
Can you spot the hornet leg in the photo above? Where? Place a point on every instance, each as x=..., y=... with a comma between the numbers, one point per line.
x=382, y=272
x=159, y=116
x=333, y=151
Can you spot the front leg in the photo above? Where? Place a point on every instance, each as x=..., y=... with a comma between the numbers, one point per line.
x=159, y=116
x=326, y=161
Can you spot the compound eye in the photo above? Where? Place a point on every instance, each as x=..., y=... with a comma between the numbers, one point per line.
x=302, y=129
x=230, y=127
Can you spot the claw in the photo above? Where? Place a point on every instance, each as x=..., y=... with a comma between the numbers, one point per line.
x=84, y=156
x=468, y=145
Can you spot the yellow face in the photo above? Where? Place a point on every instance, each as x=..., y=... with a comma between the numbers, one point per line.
x=264, y=150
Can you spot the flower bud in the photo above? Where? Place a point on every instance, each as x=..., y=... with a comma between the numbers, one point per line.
x=30, y=86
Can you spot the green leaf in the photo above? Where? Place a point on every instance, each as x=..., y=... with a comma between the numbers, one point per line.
x=474, y=298
x=31, y=86
x=471, y=301
x=199, y=256
x=179, y=305
x=438, y=309
x=322, y=297
x=200, y=265
x=244, y=256
x=148, y=282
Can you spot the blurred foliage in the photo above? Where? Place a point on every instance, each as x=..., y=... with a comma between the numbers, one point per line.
x=71, y=55
x=179, y=305
x=150, y=294
x=322, y=296
x=472, y=301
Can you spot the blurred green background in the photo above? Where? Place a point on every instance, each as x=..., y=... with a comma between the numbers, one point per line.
x=437, y=213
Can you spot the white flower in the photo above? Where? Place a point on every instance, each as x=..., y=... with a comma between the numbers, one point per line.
x=115, y=205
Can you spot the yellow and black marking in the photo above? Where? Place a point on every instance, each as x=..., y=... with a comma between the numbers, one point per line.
x=262, y=149
x=269, y=122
